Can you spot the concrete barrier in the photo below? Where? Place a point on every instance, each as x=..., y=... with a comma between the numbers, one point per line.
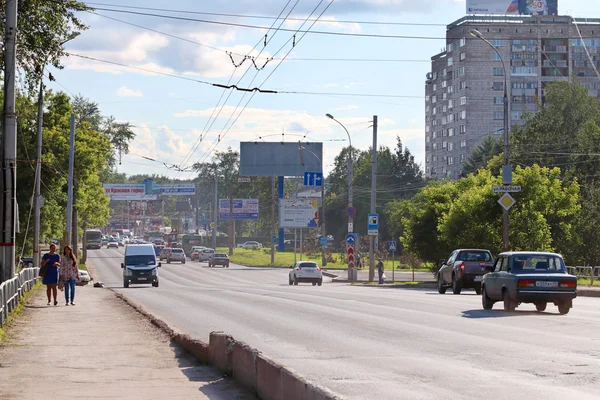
x=220, y=347
x=243, y=365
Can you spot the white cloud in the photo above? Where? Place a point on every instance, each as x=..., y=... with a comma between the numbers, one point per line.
x=347, y=108
x=126, y=92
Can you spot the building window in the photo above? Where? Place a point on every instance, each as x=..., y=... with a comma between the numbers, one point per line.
x=427, y=139
x=450, y=131
x=450, y=104
x=434, y=99
x=499, y=115
x=497, y=57
x=497, y=72
x=427, y=129
x=450, y=89
x=434, y=76
x=444, y=96
x=434, y=87
x=463, y=85
x=523, y=71
x=516, y=115
x=435, y=146
x=463, y=56
x=434, y=110
x=444, y=84
x=450, y=61
x=450, y=47
x=463, y=143
x=463, y=114
x=463, y=41
x=444, y=145
x=498, y=42
x=462, y=158
x=461, y=71
x=463, y=100
x=463, y=129
x=498, y=131
x=498, y=86
x=450, y=147
x=426, y=109
x=450, y=160
x=498, y=100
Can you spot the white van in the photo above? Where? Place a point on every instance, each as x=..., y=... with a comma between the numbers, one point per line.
x=140, y=265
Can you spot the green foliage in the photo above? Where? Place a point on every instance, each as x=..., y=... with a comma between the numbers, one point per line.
x=482, y=154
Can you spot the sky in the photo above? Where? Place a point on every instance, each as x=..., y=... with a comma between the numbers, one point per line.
x=180, y=118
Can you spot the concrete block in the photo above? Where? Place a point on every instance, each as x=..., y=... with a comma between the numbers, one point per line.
x=243, y=365
x=195, y=347
x=219, y=349
x=268, y=379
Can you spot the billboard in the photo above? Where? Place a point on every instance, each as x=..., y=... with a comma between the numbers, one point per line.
x=242, y=209
x=280, y=158
x=513, y=7
x=298, y=213
x=178, y=189
x=127, y=192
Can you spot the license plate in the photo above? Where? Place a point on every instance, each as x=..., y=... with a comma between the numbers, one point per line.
x=142, y=279
x=478, y=278
x=546, y=284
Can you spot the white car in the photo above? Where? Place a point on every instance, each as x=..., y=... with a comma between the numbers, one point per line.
x=176, y=254
x=305, y=271
x=250, y=245
x=84, y=278
x=112, y=243
x=206, y=254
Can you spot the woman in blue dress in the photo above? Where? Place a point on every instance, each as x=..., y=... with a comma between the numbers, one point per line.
x=52, y=261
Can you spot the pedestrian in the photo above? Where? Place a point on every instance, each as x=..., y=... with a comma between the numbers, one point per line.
x=358, y=261
x=68, y=274
x=380, y=271
x=51, y=261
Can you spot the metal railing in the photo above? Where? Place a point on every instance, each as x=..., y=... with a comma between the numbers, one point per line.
x=590, y=273
x=12, y=290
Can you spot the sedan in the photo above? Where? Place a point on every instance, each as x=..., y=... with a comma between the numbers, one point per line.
x=250, y=245
x=206, y=255
x=464, y=269
x=195, y=254
x=529, y=277
x=164, y=253
x=305, y=271
x=112, y=243
x=176, y=254
x=219, y=259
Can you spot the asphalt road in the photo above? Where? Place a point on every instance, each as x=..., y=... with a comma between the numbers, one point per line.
x=378, y=343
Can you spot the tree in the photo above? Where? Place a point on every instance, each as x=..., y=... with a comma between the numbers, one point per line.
x=120, y=134
x=482, y=154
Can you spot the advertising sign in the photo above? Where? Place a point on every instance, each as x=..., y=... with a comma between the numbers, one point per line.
x=298, y=213
x=127, y=192
x=513, y=7
x=242, y=209
x=178, y=189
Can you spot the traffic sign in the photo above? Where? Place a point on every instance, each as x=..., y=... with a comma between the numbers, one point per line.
x=244, y=180
x=373, y=224
x=274, y=239
x=202, y=218
x=506, y=189
x=351, y=258
x=351, y=211
x=350, y=239
x=392, y=246
x=212, y=224
x=357, y=235
x=313, y=179
x=506, y=201
x=323, y=241
x=350, y=227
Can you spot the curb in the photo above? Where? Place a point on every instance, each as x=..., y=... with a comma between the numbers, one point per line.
x=261, y=375
x=585, y=292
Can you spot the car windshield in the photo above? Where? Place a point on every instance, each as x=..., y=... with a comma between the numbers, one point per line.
x=177, y=251
x=209, y=251
x=220, y=255
x=474, y=255
x=534, y=263
x=142, y=259
x=308, y=265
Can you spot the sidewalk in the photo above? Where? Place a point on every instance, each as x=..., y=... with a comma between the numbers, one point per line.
x=101, y=348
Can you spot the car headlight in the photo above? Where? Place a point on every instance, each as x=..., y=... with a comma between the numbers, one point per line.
x=154, y=272
x=128, y=272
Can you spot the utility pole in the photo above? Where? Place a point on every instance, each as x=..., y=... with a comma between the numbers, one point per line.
x=323, y=230
x=9, y=166
x=273, y=221
x=216, y=210
x=230, y=224
x=373, y=200
x=38, y=180
x=70, y=182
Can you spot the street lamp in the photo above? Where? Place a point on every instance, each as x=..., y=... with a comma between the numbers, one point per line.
x=350, y=180
x=323, y=234
x=506, y=170
x=71, y=172
x=38, y=167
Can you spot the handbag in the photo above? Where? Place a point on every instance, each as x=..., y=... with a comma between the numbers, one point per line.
x=43, y=270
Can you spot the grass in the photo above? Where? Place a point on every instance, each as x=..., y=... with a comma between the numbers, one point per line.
x=262, y=258
x=588, y=282
x=82, y=266
x=18, y=310
x=391, y=283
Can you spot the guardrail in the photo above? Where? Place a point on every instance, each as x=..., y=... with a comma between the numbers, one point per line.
x=12, y=290
x=590, y=273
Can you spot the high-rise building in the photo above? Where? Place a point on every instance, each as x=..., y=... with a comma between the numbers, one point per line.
x=465, y=88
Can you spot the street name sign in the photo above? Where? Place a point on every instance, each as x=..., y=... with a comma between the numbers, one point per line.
x=506, y=189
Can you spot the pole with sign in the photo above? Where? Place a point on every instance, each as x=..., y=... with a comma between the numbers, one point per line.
x=393, y=250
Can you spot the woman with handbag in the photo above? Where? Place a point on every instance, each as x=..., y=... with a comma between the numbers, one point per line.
x=49, y=271
x=69, y=273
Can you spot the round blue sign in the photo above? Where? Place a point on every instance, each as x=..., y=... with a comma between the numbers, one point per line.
x=351, y=211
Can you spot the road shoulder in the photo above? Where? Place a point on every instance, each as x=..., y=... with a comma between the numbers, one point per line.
x=100, y=348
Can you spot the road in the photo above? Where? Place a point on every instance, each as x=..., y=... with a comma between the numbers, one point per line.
x=376, y=343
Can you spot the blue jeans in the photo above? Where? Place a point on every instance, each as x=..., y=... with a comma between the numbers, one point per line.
x=70, y=289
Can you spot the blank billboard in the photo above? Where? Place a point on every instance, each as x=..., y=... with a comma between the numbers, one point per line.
x=280, y=158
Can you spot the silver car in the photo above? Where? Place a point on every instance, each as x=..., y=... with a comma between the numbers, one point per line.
x=176, y=254
x=206, y=254
x=305, y=271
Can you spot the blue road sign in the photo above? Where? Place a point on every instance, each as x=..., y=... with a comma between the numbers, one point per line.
x=392, y=246
x=357, y=235
x=313, y=179
x=351, y=211
x=323, y=241
x=202, y=218
x=350, y=239
x=373, y=224
x=274, y=239
x=148, y=186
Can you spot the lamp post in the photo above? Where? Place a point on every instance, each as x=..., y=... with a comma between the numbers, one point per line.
x=323, y=259
x=506, y=170
x=71, y=172
x=350, y=180
x=38, y=167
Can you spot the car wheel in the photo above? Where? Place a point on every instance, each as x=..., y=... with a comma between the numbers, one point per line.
x=509, y=304
x=125, y=284
x=441, y=288
x=295, y=281
x=320, y=282
x=563, y=308
x=541, y=307
x=183, y=262
x=456, y=286
x=155, y=284
x=314, y=283
x=290, y=281
x=478, y=290
x=485, y=300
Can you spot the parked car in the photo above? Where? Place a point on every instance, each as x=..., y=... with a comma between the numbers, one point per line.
x=164, y=253
x=84, y=278
x=206, y=254
x=250, y=245
x=112, y=243
x=176, y=254
x=464, y=269
x=305, y=271
x=529, y=277
x=219, y=259
x=195, y=253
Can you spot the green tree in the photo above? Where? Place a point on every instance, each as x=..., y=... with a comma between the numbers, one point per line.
x=482, y=154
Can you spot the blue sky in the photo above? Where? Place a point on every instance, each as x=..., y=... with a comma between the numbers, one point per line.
x=170, y=114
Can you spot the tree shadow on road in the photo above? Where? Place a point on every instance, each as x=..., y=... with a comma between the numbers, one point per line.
x=479, y=314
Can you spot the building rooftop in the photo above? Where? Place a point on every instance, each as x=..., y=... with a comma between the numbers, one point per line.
x=521, y=19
